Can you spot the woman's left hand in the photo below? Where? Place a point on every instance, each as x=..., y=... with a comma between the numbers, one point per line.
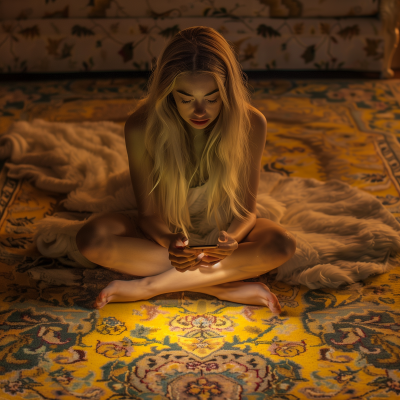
x=226, y=246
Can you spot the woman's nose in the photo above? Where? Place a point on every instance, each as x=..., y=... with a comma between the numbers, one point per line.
x=199, y=112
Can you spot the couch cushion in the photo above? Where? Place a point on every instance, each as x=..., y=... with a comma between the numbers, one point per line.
x=68, y=45
x=23, y=9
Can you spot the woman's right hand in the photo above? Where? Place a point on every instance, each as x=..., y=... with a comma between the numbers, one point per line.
x=181, y=257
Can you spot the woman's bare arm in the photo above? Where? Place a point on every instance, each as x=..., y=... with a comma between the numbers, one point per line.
x=140, y=166
x=258, y=134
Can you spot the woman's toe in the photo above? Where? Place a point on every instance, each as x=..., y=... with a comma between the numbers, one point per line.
x=273, y=304
x=101, y=300
x=277, y=309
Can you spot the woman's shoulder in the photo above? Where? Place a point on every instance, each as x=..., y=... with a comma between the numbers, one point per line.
x=258, y=123
x=256, y=116
x=136, y=122
x=135, y=129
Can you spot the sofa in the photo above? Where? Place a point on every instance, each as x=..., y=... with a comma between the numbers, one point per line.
x=49, y=36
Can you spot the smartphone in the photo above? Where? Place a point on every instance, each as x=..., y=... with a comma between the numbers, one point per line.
x=204, y=246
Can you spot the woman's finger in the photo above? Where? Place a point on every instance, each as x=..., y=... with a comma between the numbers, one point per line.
x=197, y=264
x=216, y=252
x=228, y=246
x=225, y=241
x=207, y=264
x=184, y=252
x=182, y=263
x=181, y=260
x=218, y=256
x=188, y=263
x=212, y=258
x=192, y=266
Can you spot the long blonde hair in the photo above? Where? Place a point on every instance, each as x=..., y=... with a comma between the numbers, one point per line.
x=226, y=155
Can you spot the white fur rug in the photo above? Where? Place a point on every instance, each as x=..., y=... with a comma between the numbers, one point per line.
x=343, y=234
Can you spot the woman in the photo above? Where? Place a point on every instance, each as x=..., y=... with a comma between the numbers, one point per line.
x=194, y=136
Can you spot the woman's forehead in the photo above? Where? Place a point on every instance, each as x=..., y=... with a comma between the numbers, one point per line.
x=191, y=83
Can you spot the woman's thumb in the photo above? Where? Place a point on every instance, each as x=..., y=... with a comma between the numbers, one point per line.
x=182, y=241
x=222, y=236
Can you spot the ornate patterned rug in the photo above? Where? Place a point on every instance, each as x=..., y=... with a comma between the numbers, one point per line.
x=327, y=343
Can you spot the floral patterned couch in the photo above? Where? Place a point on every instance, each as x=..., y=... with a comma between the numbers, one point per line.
x=111, y=35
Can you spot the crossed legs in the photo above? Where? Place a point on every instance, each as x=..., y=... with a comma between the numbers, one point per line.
x=111, y=241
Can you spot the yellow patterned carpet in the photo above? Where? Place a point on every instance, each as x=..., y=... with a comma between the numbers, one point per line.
x=327, y=343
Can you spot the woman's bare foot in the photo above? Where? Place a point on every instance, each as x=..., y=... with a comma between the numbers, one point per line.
x=254, y=293
x=121, y=292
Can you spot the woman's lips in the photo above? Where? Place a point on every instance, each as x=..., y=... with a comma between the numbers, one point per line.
x=200, y=122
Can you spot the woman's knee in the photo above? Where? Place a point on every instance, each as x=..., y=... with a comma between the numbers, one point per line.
x=94, y=235
x=90, y=237
x=279, y=242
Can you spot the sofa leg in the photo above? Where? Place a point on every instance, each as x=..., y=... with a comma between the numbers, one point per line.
x=390, y=14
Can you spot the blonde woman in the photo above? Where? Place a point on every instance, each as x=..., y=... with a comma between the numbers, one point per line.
x=194, y=145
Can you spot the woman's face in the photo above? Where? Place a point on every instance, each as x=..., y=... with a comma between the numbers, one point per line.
x=197, y=99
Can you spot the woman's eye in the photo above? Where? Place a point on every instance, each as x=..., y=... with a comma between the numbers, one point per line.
x=210, y=101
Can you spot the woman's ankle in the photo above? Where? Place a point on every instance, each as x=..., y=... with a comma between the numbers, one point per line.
x=148, y=285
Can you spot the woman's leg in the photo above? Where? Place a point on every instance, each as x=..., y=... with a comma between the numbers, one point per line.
x=114, y=242
x=265, y=248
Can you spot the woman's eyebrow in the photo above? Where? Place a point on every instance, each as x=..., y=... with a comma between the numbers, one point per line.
x=187, y=94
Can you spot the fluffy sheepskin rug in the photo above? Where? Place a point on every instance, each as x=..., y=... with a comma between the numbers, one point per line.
x=343, y=234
